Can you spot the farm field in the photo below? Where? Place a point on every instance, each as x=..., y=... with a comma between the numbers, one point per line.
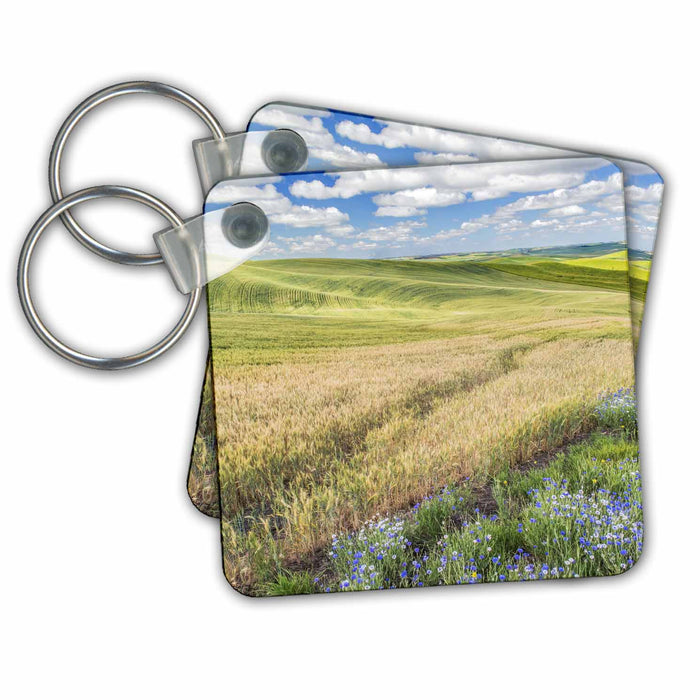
x=351, y=390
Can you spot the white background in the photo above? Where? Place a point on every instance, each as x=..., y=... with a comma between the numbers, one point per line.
x=111, y=582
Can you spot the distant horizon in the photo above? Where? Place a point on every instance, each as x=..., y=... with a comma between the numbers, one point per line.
x=620, y=245
x=434, y=210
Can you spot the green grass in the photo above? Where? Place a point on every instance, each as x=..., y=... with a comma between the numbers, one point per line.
x=578, y=464
x=290, y=583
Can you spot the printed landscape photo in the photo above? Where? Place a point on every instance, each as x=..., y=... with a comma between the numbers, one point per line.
x=428, y=379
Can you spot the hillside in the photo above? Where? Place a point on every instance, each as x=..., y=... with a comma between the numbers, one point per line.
x=308, y=285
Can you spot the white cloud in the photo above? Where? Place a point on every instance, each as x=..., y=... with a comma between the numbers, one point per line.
x=643, y=205
x=310, y=217
x=340, y=230
x=400, y=211
x=640, y=236
x=362, y=245
x=427, y=158
x=465, y=229
x=612, y=203
x=575, y=223
x=570, y=210
x=447, y=234
x=500, y=226
x=471, y=226
x=350, y=184
x=539, y=223
x=484, y=180
x=400, y=231
x=649, y=212
x=273, y=249
x=430, y=139
x=483, y=222
x=363, y=134
x=511, y=225
x=435, y=146
x=344, y=156
x=560, y=198
x=653, y=193
x=462, y=232
x=503, y=185
x=420, y=197
x=308, y=244
x=231, y=191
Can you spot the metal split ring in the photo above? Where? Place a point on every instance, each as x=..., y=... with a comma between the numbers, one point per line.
x=60, y=209
x=100, y=97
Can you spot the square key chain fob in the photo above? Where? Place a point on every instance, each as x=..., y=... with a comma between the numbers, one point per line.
x=383, y=391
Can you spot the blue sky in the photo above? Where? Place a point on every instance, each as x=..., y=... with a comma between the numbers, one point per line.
x=436, y=209
x=342, y=140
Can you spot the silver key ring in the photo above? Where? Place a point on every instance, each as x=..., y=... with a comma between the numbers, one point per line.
x=100, y=97
x=35, y=321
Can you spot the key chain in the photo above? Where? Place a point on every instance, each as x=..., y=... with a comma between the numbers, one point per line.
x=185, y=262
x=394, y=303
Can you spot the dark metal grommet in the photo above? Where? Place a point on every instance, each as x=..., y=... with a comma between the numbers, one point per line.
x=284, y=151
x=244, y=225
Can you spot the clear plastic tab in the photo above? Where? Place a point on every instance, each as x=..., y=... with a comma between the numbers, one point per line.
x=213, y=244
x=253, y=153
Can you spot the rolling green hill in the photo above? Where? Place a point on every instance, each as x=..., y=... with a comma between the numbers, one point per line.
x=308, y=285
x=568, y=272
x=277, y=306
